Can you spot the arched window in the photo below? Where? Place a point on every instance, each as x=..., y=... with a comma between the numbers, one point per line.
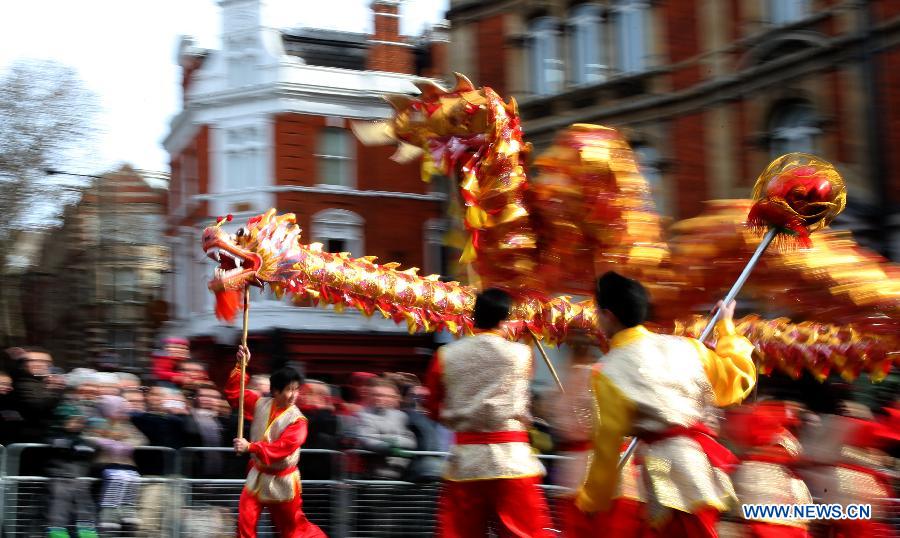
x=588, y=61
x=649, y=162
x=336, y=158
x=546, y=66
x=787, y=11
x=793, y=127
x=631, y=35
x=339, y=230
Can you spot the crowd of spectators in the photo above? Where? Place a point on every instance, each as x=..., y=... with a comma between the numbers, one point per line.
x=94, y=421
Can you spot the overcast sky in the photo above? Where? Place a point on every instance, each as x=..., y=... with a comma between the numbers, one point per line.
x=125, y=52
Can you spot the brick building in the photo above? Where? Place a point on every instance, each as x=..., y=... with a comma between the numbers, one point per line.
x=265, y=123
x=707, y=91
x=92, y=297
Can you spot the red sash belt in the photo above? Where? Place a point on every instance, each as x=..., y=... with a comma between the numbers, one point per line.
x=574, y=446
x=273, y=472
x=718, y=455
x=490, y=438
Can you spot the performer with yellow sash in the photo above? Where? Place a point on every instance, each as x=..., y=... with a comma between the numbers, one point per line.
x=277, y=432
x=662, y=389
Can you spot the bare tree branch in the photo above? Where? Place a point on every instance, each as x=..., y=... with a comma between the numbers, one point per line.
x=45, y=112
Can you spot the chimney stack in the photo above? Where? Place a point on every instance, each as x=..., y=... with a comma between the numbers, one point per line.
x=437, y=41
x=388, y=50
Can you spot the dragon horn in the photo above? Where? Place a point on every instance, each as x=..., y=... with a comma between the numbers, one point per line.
x=374, y=133
x=429, y=89
x=399, y=101
x=463, y=84
x=406, y=153
x=513, y=107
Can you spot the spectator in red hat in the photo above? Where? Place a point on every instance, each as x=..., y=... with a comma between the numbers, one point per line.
x=165, y=364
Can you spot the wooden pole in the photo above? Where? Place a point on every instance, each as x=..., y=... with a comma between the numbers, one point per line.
x=547, y=360
x=240, y=428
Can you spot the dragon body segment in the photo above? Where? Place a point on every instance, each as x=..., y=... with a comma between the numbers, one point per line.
x=589, y=210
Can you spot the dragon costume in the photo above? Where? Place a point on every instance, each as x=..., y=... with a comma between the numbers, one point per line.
x=589, y=210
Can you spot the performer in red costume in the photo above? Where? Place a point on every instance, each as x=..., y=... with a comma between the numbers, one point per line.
x=479, y=389
x=277, y=432
x=769, y=451
x=661, y=389
x=847, y=465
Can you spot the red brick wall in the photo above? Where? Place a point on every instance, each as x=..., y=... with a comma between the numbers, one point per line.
x=740, y=142
x=199, y=147
x=491, y=53
x=296, y=138
x=387, y=57
x=889, y=85
x=393, y=227
x=295, y=144
x=886, y=9
x=440, y=65
x=689, y=172
x=682, y=25
x=734, y=20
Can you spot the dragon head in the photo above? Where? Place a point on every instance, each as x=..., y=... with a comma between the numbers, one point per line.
x=261, y=252
x=444, y=124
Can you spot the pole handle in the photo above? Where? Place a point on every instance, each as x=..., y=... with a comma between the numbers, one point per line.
x=240, y=428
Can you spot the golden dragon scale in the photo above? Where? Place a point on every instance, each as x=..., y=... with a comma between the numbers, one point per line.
x=268, y=251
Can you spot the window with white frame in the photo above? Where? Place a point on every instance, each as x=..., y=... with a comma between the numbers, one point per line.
x=336, y=158
x=793, y=127
x=788, y=11
x=649, y=162
x=587, y=50
x=546, y=65
x=339, y=230
x=631, y=21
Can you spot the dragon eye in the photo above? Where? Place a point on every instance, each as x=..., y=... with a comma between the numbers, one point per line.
x=242, y=232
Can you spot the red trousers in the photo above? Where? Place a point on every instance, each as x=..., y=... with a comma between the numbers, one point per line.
x=288, y=518
x=700, y=524
x=466, y=508
x=624, y=519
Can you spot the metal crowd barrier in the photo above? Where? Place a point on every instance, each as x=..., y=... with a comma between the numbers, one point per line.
x=182, y=504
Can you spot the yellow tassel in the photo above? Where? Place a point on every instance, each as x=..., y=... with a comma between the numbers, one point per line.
x=476, y=217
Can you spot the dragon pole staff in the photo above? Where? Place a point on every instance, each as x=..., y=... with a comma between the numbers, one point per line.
x=547, y=360
x=795, y=195
x=240, y=428
x=710, y=325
